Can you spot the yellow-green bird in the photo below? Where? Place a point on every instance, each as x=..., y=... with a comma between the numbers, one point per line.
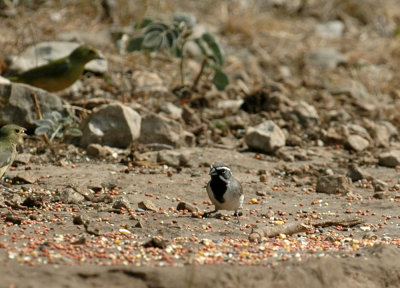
x=9, y=136
x=61, y=73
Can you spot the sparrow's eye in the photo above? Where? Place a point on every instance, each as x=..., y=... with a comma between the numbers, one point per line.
x=17, y=131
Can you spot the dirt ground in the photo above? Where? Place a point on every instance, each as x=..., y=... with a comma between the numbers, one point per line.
x=72, y=220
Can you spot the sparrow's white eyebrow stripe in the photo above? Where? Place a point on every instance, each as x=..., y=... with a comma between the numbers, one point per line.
x=223, y=168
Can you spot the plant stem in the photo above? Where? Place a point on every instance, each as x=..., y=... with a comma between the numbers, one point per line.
x=181, y=64
x=197, y=79
x=39, y=115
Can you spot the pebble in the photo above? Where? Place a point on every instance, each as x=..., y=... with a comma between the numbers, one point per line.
x=147, y=205
x=332, y=184
x=389, y=159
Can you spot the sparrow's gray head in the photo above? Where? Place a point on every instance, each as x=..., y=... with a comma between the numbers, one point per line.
x=221, y=171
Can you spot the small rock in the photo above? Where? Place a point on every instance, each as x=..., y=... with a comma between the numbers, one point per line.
x=159, y=129
x=381, y=195
x=173, y=158
x=23, y=158
x=379, y=185
x=333, y=184
x=293, y=140
x=326, y=58
x=354, y=89
x=381, y=135
x=357, y=143
x=236, y=121
x=33, y=201
x=25, y=177
x=331, y=29
x=148, y=84
x=263, y=178
x=13, y=219
x=139, y=224
x=355, y=173
x=97, y=150
x=121, y=202
x=174, y=111
x=284, y=155
x=115, y=125
x=69, y=196
x=392, y=130
x=370, y=236
x=80, y=241
x=389, y=159
x=156, y=242
x=266, y=137
x=189, y=116
x=261, y=193
x=230, y=106
x=306, y=113
x=80, y=220
x=187, y=206
x=147, y=205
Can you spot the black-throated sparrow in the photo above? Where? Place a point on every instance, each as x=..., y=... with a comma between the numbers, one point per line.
x=224, y=191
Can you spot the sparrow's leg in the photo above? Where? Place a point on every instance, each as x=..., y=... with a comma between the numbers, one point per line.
x=238, y=213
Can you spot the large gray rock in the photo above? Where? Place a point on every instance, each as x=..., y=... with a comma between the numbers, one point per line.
x=44, y=52
x=173, y=158
x=16, y=105
x=114, y=125
x=266, y=137
x=306, y=113
x=390, y=159
x=357, y=143
x=332, y=184
x=157, y=129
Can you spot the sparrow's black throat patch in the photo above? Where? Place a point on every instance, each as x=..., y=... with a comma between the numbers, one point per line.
x=218, y=188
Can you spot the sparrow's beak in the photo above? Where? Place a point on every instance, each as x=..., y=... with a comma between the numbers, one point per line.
x=213, y=171
x=23, y=130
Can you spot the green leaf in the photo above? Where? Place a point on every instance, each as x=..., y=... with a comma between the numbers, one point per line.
x=201, y=46
x=214, y=47
x=153, y=40
x=170, y=37
x=41, y=130
x=135, y=44
x=56, y=115
x=45, y=122
x=220, y=79
x=74, y=132
x=158, y=26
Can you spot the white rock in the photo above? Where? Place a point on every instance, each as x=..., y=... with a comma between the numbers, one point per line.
x=157, y=129
x=114, y=125
x=266, y=137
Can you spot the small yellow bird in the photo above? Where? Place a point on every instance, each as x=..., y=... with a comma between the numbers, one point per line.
x=61, y=73
x=9, y=136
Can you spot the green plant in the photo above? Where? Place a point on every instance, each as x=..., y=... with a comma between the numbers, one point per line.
x=56, y=126
x=172, y=38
